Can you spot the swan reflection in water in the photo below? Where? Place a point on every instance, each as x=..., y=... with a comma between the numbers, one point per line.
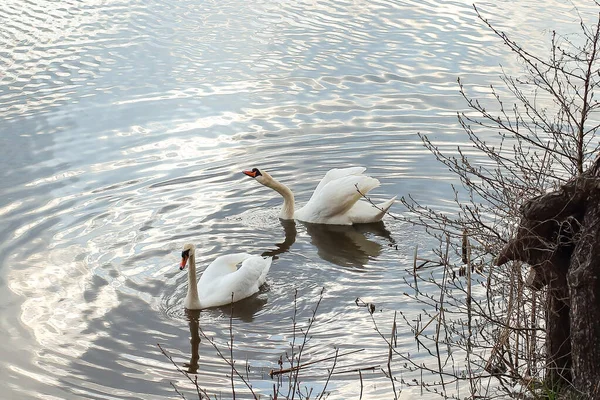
x=193, y=317
x=290, y=232
x=348, y=245
x=344, y=245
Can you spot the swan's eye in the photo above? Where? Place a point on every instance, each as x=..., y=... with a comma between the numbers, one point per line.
x=185, y=253
x=256, y=171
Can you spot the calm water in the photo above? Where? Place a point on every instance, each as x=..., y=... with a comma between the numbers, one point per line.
x=124, y=126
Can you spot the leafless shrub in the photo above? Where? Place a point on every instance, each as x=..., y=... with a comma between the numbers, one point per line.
x=288, y=377
x=484, y=330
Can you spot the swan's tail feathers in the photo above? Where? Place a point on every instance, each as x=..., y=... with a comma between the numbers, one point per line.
x=382, y=208
x=386, y=205
x=364, y=213
x=265, y=271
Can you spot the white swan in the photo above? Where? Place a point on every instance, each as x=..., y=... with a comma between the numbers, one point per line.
x=222, y=278
x=335, y=200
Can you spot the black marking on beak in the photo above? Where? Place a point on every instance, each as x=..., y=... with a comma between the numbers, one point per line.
x=184, y=258
x=252, y=174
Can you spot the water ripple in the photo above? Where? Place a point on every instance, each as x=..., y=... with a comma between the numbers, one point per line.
x=124, y=128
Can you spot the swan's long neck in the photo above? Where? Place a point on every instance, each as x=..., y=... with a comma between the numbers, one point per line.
x=287, y=210
x=192, y=291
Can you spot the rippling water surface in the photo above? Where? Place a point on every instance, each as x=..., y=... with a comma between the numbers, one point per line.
x=124, y=126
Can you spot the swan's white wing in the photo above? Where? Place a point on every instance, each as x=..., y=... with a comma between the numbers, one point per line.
x=335, y=199
x=252, y=273
x=217, y=289
x=337, y=173
x=224, y=265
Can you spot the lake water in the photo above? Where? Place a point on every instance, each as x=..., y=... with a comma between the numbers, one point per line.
x=124, y=128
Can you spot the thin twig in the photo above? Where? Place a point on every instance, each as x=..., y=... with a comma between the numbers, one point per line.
x=184, y=373
x=329, y=374
x=306, y=337
x=227, y=360
x=390, y=353
x=361, y=385
x=275, y=372
x=231, y=360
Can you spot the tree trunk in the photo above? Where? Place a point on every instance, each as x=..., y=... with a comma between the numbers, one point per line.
x=558, y=342
x=584, y=293
x=559, y=237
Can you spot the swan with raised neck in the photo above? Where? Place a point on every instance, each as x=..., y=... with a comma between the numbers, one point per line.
x=188, y=256
x=222, y=281
x=336, y=200
x=288, y=208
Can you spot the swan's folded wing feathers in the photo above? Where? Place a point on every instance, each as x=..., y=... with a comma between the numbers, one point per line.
x=234, y=259
x=247, y=279
x=255, y=268
x=337, y=173
x=216, y=288
x=337, y=197
x=223, y=265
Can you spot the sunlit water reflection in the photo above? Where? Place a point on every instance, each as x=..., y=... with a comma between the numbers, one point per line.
x=124, y=128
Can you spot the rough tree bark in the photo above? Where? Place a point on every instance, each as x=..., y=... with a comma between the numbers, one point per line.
x=584, y=293
x=559, y=237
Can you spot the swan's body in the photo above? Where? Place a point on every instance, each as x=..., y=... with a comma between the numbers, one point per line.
x=336, y=199
x=222, y=278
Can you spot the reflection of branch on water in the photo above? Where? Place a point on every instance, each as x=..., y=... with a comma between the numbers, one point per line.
x=289, y=228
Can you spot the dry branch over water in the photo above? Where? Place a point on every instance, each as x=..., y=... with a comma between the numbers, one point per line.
x=506, y=293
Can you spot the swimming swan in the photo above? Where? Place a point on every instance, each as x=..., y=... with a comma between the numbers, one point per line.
x=222, y=278
x=335, y=200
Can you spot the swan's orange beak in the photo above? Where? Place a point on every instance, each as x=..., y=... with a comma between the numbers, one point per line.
x=251, y=174
x=183, y=263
